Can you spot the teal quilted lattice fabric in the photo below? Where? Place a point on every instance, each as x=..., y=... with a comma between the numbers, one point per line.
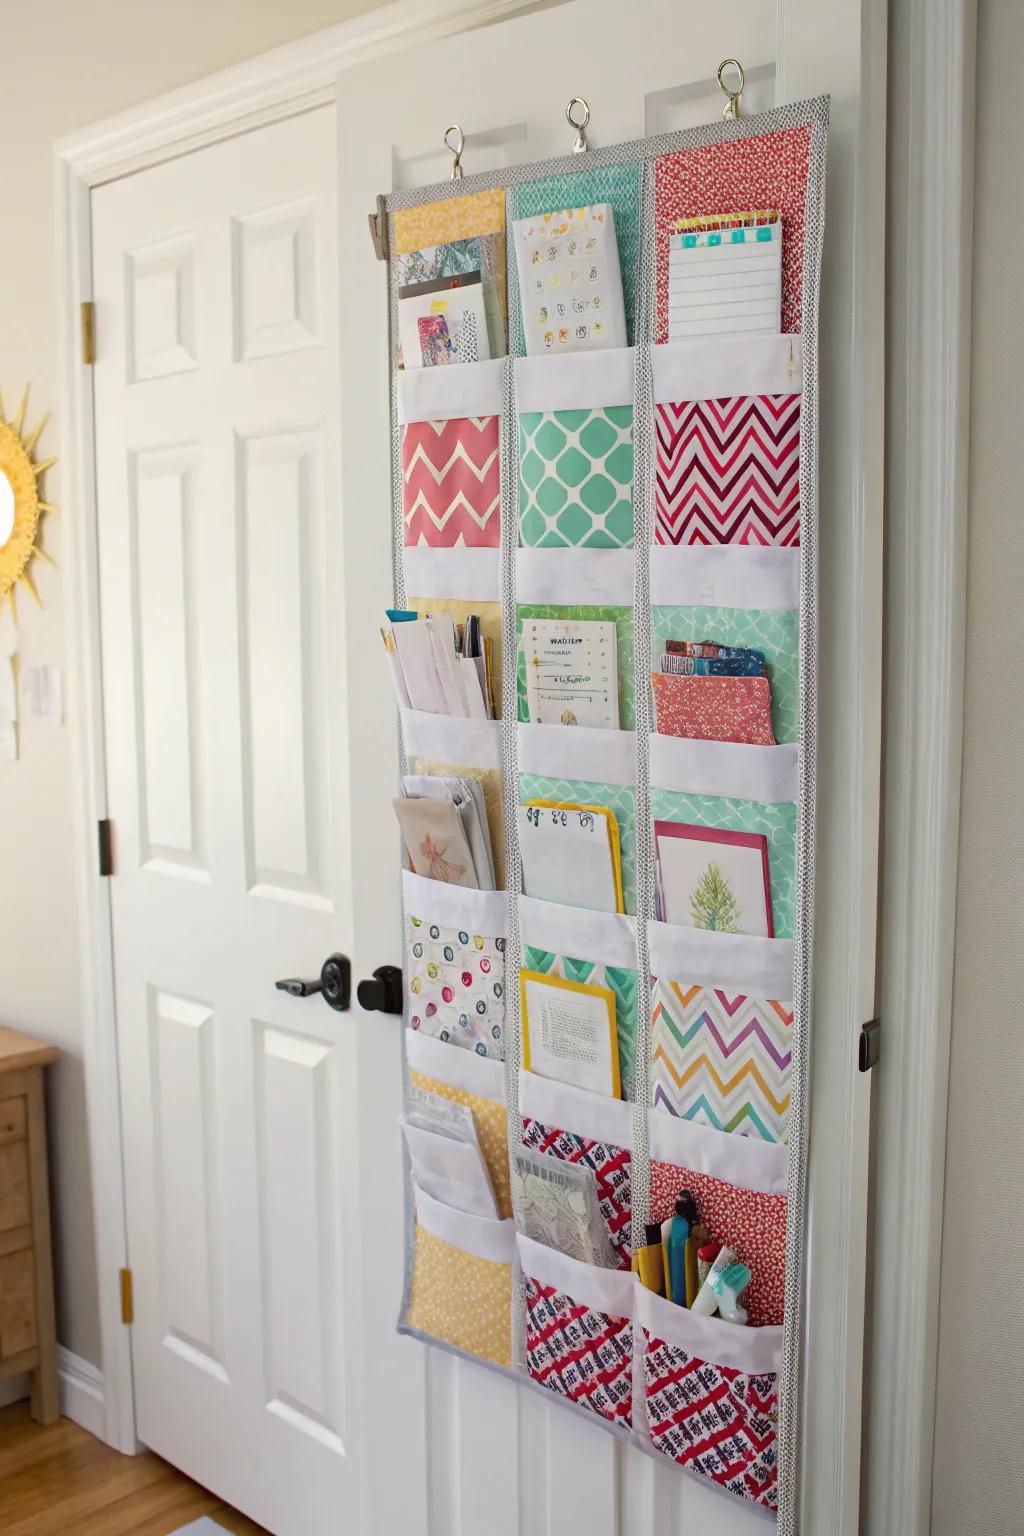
x=615, y=184
x=576, y=478
x=622, y=618
x=778, y=822
x=620, y=798
x=775, y=632
x=621, y=982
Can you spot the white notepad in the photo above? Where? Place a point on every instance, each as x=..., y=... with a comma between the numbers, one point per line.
x=570, y=283
x=571, y=855
x=571, y=672
x=724, y=280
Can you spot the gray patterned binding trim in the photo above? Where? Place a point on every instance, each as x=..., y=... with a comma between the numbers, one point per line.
x=813, y=113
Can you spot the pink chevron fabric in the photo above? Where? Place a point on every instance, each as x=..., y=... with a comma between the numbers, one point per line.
x=451, y=483
x=728, y=471
x=582, y=1354
x=714, y=1420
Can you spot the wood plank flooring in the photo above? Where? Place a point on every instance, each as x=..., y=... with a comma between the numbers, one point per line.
x=60, y=1481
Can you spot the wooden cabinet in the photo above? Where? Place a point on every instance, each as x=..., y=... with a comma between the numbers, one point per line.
x=27, y=1333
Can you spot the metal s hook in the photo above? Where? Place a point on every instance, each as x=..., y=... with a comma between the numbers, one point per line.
x=732, y=106
x=456, y=149
x=579, y=122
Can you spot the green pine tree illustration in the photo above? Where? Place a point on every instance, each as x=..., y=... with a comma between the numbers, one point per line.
x=712, y=902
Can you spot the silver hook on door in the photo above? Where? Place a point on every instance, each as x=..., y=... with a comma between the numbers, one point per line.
x=732, y=106
x=456, y=149
x=579, y=122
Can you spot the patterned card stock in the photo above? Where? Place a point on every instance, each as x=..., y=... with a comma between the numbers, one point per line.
x=582, y=1354
x=611, y=1167
x=451, y=486
x=713, y=1419
x=728, y=471
x=576, y=478
x=620, y=980
x=714, y=708
x=457, y=986
x=721, y=1060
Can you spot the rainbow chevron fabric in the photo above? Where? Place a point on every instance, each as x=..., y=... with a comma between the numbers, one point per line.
x=721, y=1060
x=715, y=1420
x=584, y=1355
x=728, y=471
x=451, y=483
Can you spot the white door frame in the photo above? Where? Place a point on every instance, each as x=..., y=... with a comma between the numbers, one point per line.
x=812, y=57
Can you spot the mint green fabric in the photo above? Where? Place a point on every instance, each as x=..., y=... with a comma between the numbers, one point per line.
x=620, y=798
x=778, y=822
x=622, y=618
x=774, y=631
x=621, y=982
x=618, y=185
x=576, y=478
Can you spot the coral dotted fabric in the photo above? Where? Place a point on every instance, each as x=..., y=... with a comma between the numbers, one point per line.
x=714, y=708
x=753, y=1224
x=714, y=1420
x=584, y=1355
x=462, y=1298
x=741, y=176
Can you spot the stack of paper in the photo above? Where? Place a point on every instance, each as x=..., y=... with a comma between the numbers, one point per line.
x=448, y=309
x=570, y=854
x=445, y=1154
x=571, y=672
x=444, y=825
x=438, y=668
x=570, y=281
x=557, y=1204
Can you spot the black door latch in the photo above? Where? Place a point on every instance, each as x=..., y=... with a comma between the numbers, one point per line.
x=334, y=983
x=382, y=991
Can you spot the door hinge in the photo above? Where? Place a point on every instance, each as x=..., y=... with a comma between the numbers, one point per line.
x=127, y=1298
x=106, y=847
x=88, y=332
x=869, y=1045
x=379, y=228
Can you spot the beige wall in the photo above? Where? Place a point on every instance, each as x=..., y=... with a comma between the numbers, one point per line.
x=978, y=1480
x=68, y=63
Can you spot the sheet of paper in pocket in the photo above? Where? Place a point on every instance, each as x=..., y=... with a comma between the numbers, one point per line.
x=724, y=277
x=467, y=796
x=571, y=672
x=477, y=253
x=436, y=841
x=569, y=280
x=569, y=1032
x=450, y=1170
x=712, y=878
x=443, y=321
x=557, y=1204
x=570, y=854
x=714, y=708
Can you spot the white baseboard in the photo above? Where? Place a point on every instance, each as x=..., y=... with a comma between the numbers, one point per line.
x=81, y=1391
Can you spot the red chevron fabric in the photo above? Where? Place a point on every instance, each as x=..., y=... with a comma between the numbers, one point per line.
x=451, y=482
x=612, y=1167
x=582, y=1354
x=768, y=171
x=750, y=1222
x=728, y=471
x=714, y=1420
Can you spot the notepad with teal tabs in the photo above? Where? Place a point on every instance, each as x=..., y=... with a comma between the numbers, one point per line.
x=570, y=854
x=725, y=275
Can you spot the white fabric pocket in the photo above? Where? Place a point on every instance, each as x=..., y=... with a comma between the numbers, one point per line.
x=575, y=577
x=446, y=394
x=452, y=739
x=575, y=751
x=464, y=1070
x=456, y=906
x=494, y=1240
x=578, y=381
x=726, y=769
x=727, y=367
x=468, y=575
x=585, y=935
x=741, y=962
x=754, y=1165
x=451, y=1171
x=724, y=576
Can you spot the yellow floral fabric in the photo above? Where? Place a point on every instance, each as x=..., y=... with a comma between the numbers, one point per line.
x=462, y=1299
x=491, y=1127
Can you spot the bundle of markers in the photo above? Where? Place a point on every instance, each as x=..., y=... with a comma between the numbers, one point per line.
x=682, y=1262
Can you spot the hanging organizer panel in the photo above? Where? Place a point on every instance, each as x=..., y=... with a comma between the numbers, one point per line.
x=621, y=488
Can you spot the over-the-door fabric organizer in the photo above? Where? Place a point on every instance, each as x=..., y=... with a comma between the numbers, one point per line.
x=669, y=542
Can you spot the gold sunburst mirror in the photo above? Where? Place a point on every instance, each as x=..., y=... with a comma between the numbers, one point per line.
x=20, y=503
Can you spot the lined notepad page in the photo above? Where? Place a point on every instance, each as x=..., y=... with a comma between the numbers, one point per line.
x=724, y=280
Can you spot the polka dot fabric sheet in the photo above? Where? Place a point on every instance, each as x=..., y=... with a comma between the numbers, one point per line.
x=690, y=477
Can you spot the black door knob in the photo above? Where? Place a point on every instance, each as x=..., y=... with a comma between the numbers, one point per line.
x=334, y=983
x=382, y=991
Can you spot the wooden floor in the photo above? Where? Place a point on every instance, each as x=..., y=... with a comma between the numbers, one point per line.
x=61, y=1482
